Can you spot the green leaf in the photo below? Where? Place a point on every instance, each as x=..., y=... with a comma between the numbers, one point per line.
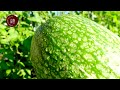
x=2, y=50
x=22, y=73
x=9, y=56
x=24, y=23
x=28, y=71
x=115, y=19
x=19, y=12
x=3, y=65
x=21, y=63
x=2, y=26
x=36, y=14
x=27, y=43
x=34, y=19
x=3, y=32
x=4, y=41
x=8, y=72
x=13, y=35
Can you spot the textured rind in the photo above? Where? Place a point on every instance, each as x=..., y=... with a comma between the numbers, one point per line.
x=71, y=46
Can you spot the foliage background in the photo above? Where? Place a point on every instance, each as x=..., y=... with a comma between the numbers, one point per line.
x=15, y=41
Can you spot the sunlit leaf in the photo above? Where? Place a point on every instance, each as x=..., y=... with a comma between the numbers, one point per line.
x=28, y=71
x=21, y=63
x=3, y=32
x=2, y=27
x=8, y=72
x=4, y=41
x=24, y=23
x=22, y=72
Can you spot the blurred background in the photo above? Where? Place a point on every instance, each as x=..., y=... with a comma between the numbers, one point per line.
x=15, y=41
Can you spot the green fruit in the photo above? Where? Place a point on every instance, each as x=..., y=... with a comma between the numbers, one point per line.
x=71, y=46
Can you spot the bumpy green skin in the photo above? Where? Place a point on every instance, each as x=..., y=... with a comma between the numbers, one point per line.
x=71, y=46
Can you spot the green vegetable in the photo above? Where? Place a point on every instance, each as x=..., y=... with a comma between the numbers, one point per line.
x=71, y=46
